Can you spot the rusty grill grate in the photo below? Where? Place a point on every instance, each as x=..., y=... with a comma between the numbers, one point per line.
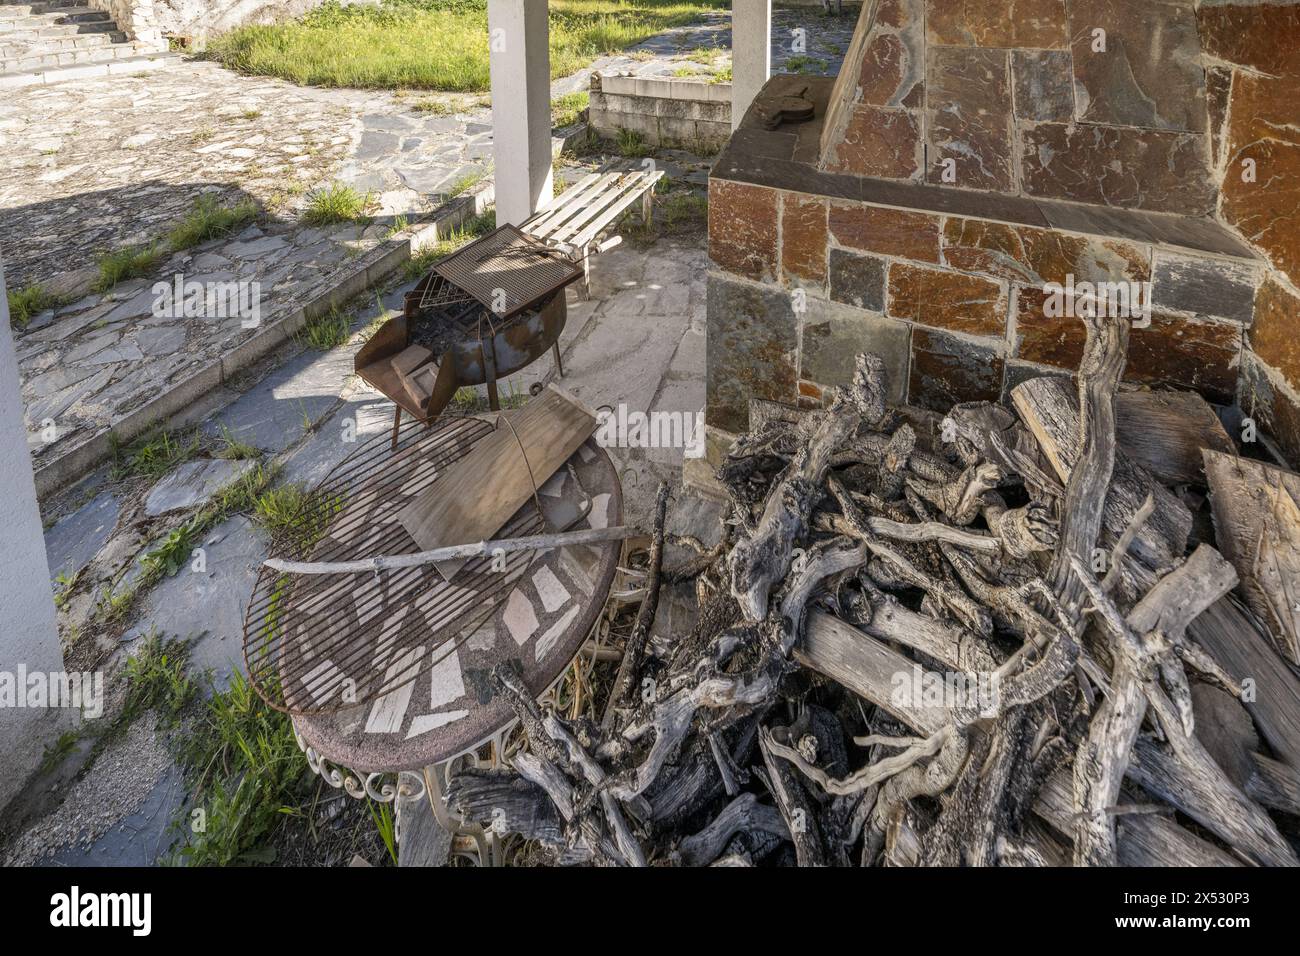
x=506, y=271
x=317, y=643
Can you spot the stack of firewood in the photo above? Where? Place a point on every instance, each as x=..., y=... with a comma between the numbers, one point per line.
x=991, y=638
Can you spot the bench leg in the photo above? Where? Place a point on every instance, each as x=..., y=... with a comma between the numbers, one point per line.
x=648, y=206
x=586, y=275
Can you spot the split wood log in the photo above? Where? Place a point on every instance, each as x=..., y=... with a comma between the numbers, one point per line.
x=1257, y=521
x=1164, y=433
x=1049, y=410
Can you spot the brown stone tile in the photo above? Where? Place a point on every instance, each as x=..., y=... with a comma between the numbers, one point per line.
x=1263, y=37
x=969, y=118
x=803, y=236
x=742, y=228
x=879, y=142
x=1275, y=336
x=1010, y=23
x=1172, y=351
x=1038, y=256
x=1149, y=74
x=946, y=370
x=1106, y=165
x=1263, y=129
x=946, y=300
x=892, y=232
x=1044, y=84
x=893, y=60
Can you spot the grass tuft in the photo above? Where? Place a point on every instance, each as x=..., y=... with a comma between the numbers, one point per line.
x=335, y=203
x=209, y=219
x=27, y=303
x=326, y=332
x=153, y=454
x=128, y=263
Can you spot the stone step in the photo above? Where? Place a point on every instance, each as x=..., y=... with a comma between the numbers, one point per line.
x=56, y=29
x=100, y=54
x=19, y=11
x=86, y=41
x=141, y=62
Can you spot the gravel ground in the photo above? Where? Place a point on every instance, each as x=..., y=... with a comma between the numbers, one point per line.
x=123, y=776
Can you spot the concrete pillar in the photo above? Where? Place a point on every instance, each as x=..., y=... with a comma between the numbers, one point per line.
x=520, y=61
x=29, y=638
x=751, y=53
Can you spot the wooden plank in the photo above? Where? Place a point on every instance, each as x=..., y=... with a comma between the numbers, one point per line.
x=593, y=230
x=609, y=184
x=539, y=222
x=1164, y=432
x=1257, y=520
x=1233, y=638
x=479, y=493
x=1049, y=406
x=1274, y=784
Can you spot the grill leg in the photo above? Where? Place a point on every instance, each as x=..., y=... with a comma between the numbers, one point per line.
x=559, y=366
x=494, y=402
x=397, y=423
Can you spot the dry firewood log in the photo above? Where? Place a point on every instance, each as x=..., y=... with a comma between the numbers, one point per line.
x=742, y=814
x=761, y=560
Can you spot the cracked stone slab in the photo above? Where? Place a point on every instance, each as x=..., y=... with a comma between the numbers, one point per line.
x=193, y=484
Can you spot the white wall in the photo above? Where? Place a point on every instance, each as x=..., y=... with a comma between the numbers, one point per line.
x=28, y=634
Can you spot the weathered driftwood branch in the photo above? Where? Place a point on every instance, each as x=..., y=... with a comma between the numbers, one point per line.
x=395, y=562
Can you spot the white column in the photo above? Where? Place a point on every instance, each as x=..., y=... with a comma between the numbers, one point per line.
x=29, y=638
x=521, y=107
x=751, y=53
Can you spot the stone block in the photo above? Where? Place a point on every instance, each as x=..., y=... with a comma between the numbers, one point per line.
x=1044, y=85
x=1255, y=35
x=857, y=280
x=743, y=228
x=946, y=370
x=969, y=118
x=832, y=337
x=803, y=236
x=1149, y=74
x=1274, y=335
x=893, y=62
x=1261, y=192
x=1028, y=23
x=946, y=300
x=878, y=141
x=891, y=232
x=1107, y=165
x=1219, y=288
x=752, y=346
x=1037, y=256
x=1172, y=351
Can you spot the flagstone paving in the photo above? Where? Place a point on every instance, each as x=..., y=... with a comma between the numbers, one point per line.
x=98, y=165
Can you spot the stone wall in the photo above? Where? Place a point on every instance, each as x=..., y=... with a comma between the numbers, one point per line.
x=955, y=303
x=153, y=21
x=1253, y=79
x=1018, y=98
x=668, y=112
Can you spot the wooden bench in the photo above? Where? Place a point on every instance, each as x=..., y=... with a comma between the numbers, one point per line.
x=582, y=212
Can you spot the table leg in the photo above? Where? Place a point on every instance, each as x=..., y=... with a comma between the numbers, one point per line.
x=397, y=423
x=486, y=847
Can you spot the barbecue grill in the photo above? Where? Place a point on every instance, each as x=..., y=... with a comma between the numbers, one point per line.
x=481, y=313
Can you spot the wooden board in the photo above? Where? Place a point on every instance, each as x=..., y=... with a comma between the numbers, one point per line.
x=482, y=490
x=1164, y=432
x=1257, y=519
x=1049, y=406
x=1232, y=637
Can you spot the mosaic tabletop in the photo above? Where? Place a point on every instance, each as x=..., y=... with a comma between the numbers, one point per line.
x=540, y=619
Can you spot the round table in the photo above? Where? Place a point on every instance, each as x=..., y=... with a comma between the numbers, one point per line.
x=403, y=743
